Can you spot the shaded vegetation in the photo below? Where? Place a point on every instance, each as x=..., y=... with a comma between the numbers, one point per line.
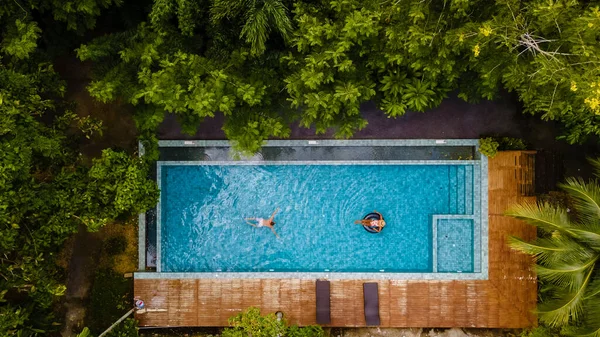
x=111, y=297
x=252, y=323
x=566, y=255
x=48, y=188
x=267, y=63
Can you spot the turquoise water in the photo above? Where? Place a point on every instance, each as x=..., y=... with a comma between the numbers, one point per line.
x=203, y=209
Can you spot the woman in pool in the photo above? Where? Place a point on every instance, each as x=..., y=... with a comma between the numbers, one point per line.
x=260, y=222
x=376, y=225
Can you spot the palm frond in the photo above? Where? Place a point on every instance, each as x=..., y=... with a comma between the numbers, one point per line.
x=568, y=306
x=588, y=233
x=586, y=331
x=566, y=275
x=586, y=197
x=256, y=30
x=591, y=309
x=278, y=13
x=596, y=164
x=548, y=251
x=221, y=9
x=593, y=292
x=542, y=215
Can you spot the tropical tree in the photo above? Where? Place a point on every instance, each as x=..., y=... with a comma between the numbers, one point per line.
x=566, y=255
x=194, y=67
x=259, y=17
x=267, y=63
x=48, y=189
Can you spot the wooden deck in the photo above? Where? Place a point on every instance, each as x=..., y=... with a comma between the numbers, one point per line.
x=505, y=300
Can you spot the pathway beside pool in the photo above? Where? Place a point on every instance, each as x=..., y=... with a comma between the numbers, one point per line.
x=505, y=300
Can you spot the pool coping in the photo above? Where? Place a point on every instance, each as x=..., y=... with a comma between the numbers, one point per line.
x=328, y=142
x=480, y=198
x=142, y=224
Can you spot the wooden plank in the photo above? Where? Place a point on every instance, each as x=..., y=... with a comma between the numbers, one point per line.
x=308, y=302
x=353, y=303
x=209, y=302
x=270, y=296
x=418, y=304
x=290, y=299
x=398, y=303
x=250, y=293
x=226, y=299
x=384, y=304
x=337, y=303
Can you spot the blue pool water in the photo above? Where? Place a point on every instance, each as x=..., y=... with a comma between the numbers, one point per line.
x=203, y=209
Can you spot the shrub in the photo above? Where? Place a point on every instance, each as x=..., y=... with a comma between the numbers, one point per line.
x=127, y=328
x=307, y=331
x=488, y=147
x=252, y=323
x=509, y=143
x=540, y=331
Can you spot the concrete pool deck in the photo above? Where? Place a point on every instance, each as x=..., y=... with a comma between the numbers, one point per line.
x=505, y=300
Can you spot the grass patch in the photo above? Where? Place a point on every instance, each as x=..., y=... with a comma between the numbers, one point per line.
x=111, y=297
x=120, y=246
x=111, y=294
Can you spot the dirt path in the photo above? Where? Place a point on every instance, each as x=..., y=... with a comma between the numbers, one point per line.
x=85, y=254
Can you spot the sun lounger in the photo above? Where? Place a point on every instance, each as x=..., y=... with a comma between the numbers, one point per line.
x=323, y=302
x=371, y=295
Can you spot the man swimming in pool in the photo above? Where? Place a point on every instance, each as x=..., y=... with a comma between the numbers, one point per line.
x=260, y=222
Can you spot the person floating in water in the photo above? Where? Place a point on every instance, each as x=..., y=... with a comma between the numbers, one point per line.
x=376, y=225
x=260, y=222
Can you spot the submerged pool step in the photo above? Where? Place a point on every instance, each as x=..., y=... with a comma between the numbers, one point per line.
x=469, y=190
x=452, y=189
x=461, y=189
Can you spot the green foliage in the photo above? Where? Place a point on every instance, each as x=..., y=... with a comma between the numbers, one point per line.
x=117, y=185
x=193, y=61
x=307, y=331
x=77, y=15
x=540, y=331
x=566, y=254
x=21, y=39
x=488, y=147
x=260, y=18
x=85, y=333
x=47, y=188
x=252, y=323
x=127, y=328
x=508, y=143
x=110, y=298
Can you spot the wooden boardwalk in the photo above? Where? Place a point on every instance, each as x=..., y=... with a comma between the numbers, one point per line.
x=505, y=300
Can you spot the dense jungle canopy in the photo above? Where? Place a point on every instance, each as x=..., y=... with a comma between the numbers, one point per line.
x=264, y=64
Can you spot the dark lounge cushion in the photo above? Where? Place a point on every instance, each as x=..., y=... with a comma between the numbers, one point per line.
x=371, y=294
x=323, y=302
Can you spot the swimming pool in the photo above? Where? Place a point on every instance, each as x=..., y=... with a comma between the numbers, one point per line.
x=432, y=209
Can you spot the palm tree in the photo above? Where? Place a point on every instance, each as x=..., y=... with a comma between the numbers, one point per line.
x=566, y=255
x=260, y=17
